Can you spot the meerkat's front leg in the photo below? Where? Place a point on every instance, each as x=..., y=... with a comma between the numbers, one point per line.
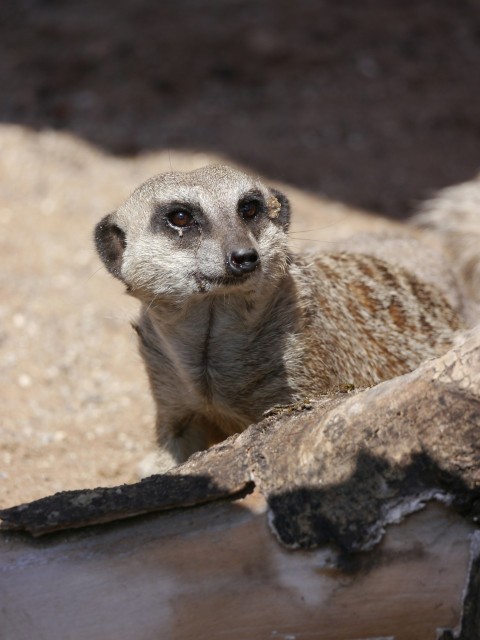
x=177, y=441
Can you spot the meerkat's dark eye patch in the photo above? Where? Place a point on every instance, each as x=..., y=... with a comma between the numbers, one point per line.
x=174, y=215
x=250, y=206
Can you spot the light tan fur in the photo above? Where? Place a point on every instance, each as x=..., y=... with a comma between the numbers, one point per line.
x=223, y=347
x=453, y=216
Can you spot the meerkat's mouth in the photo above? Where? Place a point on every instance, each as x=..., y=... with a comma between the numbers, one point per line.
x=207, y=283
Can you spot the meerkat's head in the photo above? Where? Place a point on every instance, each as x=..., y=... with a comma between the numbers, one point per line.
x=212, y=230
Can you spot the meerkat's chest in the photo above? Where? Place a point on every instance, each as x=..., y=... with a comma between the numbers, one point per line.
x=230, y=365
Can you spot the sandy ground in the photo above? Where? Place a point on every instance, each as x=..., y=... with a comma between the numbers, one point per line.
x=369, y=109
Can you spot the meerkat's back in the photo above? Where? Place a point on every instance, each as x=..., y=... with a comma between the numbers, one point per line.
x=368, y=319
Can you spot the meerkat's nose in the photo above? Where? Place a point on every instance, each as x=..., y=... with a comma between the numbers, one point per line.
x=243, y=261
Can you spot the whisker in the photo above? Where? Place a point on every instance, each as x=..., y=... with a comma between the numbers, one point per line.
x=315, y=240
x=291, y=233
x=325, y=226
x=150, y=305
x=94, y=273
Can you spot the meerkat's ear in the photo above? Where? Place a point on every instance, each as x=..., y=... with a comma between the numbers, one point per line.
x=280, y=212
x=110, y=242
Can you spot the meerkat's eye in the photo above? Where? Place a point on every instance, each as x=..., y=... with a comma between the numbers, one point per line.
x=180, y=218
x=248, y=209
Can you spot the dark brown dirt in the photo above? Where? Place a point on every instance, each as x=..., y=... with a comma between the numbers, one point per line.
x=373, y=103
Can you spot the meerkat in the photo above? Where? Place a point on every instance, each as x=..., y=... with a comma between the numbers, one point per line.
x=233, y=323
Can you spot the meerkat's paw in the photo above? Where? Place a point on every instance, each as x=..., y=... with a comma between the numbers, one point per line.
x=154, y=463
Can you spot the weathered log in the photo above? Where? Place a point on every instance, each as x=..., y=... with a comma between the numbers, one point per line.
x=215, y=572
x=334, y=470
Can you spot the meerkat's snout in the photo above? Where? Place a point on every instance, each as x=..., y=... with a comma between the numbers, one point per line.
x=242, y=261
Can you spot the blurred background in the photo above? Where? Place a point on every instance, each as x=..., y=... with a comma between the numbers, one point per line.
x=375, y=103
